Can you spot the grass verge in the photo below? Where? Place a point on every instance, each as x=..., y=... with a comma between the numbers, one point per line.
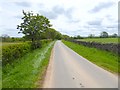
x=27, y=70
x=104, y=59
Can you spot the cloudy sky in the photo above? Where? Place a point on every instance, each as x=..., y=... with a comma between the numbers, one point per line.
x=71, y=17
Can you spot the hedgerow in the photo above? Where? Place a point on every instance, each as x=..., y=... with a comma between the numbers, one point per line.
x=11, y=53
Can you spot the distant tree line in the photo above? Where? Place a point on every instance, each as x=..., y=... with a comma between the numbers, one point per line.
x=51, y=33
x=102, y=35
x=7, y=38
x=106, y=35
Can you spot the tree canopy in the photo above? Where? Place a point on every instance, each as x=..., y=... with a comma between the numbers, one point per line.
x=33, y=25
x=104, y=34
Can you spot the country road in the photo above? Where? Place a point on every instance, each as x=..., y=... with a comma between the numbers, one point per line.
x=67, y=69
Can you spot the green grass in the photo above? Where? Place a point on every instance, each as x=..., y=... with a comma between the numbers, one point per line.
x=28, y=70
x=104, y=59
x=101, y=40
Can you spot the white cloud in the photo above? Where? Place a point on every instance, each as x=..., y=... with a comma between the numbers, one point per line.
x=69, y=17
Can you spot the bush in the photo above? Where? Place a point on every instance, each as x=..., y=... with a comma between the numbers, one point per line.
x=35, y=45
x=12, y=52
x=38, y=44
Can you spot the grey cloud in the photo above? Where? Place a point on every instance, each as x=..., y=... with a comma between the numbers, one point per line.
x=54, y=13
x=71, y=19
x=68, y=13
x=101, y=6
x=109, y=17
x=112, y=26
x=58, y=10
x=49, y=14
x=96, y=23
x=111, y=30
x=96, y=26
x=23, y=4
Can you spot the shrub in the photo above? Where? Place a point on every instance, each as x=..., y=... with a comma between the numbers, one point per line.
x=12, y=52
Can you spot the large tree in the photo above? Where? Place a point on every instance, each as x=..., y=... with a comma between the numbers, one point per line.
x=65, y=37
x=51, y=33
x=104, y=34
x=114, y=35
x=33, y=25
x=58, y=35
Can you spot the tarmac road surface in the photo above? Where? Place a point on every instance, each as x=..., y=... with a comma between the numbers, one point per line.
x=67, y=69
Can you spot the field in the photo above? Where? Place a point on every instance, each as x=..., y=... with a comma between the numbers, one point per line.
x=107, y=60
x=100, y=40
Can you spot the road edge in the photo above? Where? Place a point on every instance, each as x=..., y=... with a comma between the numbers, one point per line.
x=46, y=80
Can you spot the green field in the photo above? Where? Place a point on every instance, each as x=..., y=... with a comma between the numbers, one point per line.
x=104, y=59
x=100, y=40
x=28, y=71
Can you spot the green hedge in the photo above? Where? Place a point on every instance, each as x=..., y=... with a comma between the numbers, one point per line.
x=12, y=52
